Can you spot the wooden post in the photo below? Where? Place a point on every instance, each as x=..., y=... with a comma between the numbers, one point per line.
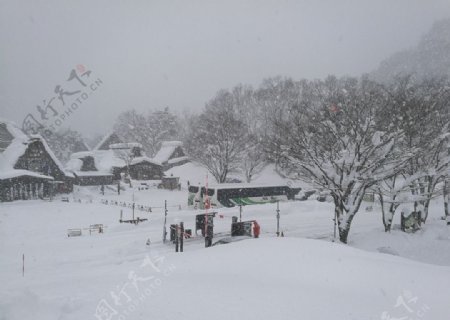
x=133, y=203
x=181, y=236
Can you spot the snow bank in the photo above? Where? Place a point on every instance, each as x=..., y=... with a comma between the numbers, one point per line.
x=192, y=172
x=254, y=279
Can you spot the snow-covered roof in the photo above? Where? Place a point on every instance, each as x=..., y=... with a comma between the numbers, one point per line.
x=15, y=131
x=82, y=154
x=244, y=186
x=16, y=147
x=128, y=145
x=105, y=160
x=74, y=165
x=92, y=173
x=21, y=173
x=176, y=160
x=167, y=149
x=144, y=159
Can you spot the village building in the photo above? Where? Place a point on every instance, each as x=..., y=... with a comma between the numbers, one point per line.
x=171, y=154
x=28, y=167
x=110, y=160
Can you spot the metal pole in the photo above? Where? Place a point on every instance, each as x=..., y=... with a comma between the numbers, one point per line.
x=181, y=236
x=176, y=238
x=278, y=218
x=165, y=221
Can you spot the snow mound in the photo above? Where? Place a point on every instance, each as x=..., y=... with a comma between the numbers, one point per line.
x=272, y=278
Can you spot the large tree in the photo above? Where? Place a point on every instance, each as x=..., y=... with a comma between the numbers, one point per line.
x=335, y=144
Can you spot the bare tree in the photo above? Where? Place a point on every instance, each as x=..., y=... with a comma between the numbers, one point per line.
x=216, y=138
x=420, y=110
x=249, y=113
x=148, y=130
x=274, y=99
x=253, y=159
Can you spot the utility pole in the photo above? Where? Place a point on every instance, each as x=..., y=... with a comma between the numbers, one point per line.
x=165, y=221
x=278, y=218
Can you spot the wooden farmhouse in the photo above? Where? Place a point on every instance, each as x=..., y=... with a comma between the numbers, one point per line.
x=28, y=168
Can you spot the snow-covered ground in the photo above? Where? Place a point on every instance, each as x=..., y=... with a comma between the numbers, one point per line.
x=116, y=275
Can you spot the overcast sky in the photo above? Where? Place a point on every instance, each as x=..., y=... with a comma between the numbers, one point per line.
x=152, y=54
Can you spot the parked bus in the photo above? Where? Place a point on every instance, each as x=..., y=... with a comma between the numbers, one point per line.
x=230, y=195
